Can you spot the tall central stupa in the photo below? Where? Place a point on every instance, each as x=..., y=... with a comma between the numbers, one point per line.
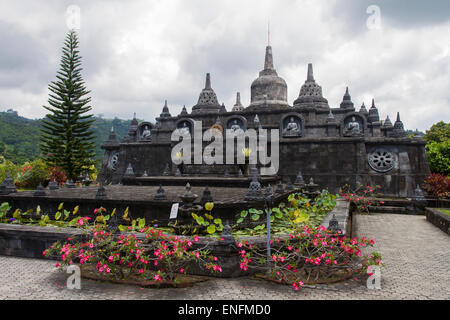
x=268, y=89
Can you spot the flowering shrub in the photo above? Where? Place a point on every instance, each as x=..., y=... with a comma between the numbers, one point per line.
x=308, y=255
x=437, y=185
x=58, y=174
x=363, y=197
x=31, y=174
x=124, y=256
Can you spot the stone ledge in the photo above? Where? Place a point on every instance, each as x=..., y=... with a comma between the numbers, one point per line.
x=439, y=219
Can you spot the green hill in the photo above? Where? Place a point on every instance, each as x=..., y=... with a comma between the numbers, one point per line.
x=19, y=136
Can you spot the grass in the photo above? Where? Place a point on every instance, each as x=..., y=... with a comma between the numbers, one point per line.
x=446, y=211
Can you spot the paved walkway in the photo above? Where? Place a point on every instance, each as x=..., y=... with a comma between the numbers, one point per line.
x=416, y=253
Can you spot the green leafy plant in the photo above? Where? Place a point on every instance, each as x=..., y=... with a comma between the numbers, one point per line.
x=207, y=222
x=286, y=217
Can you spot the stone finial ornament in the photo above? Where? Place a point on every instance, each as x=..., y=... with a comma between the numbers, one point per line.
x=166, y=171
x=39, y=191
x=373, y=113
x=363, y=109
x=289, y=185
x=207, y=100
x=238, y=106
x=269, y=196
x=223, y=109
x=101, y=192
x=184, y=111
x=330, y=118
x=188, y=197
x=53, y=185
x=70, y=184
x=165, y=112
x=347, y=100
x=280, y=188
x=311, y=92
x=398, y=131
x=7, y=185
x=387, y=122
x=418, y=194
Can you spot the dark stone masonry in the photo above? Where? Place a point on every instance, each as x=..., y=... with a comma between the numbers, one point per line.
x=335, y=146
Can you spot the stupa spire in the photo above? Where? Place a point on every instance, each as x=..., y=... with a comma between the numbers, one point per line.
x=208, y=81
x=310, y=76
x=238, y=106
x=268, y=61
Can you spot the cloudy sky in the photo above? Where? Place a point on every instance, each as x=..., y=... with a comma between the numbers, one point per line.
x=136, y=54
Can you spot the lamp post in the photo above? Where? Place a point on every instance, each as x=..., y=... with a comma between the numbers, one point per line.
x=269, y=203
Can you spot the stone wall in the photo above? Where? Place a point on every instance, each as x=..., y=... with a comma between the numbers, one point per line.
x=321, y=150
x=439, y=219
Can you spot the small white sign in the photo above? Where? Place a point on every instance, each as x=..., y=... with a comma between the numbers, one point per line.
x=174, y=211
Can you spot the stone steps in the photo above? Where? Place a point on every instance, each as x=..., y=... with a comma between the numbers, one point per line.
x=389, y=209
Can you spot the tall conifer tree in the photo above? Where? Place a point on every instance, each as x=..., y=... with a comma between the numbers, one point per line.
x=66, y=138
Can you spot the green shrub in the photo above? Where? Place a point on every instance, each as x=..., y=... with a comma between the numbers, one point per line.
x=7, y=166
x=439, y=157
x=31, y=174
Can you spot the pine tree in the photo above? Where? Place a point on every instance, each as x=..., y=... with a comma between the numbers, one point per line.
x=66, y=138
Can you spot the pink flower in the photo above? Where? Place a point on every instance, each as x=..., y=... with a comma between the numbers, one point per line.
x=181, y=270
x=157, y=277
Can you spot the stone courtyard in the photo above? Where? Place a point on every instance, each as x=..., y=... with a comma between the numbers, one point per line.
x=415, y=252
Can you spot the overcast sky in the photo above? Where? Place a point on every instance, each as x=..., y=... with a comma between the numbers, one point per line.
x=136, y=54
